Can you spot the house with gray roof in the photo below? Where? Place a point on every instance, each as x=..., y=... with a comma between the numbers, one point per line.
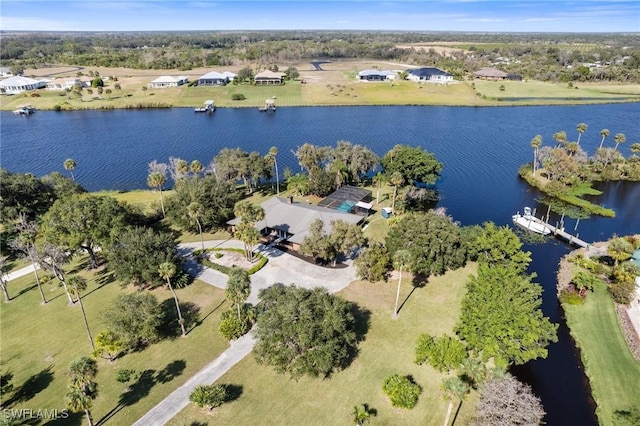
x=18, y=84
x=213, y=78
x=288, y=221
x=432, y=75
x=490, y=74
x=376, y=75
x=269, y=77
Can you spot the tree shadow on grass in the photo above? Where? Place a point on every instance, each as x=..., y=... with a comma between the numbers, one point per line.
x=71, y=419
x=169, y=326
x=171, y=371
x=233, y=392
x=418, y=281
x=132, y=395
x=362, y=317
x=201, y=320
x=32, y=386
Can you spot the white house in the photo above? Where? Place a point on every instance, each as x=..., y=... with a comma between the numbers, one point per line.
x=5, y=72
x=168, y=81
x=376, y=75
x=20, y=84
x=433, y=75
x=213, y=78
x=64, y=84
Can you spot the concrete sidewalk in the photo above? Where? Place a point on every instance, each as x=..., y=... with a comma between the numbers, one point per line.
x=20, y=272
x=179, y=399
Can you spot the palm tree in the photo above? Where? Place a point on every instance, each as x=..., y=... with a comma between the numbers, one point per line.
x=395, y=179
x=560, y=138
x=604, y=133
x=635, y=148
x=339, y=170
x=3, y=282
x=82, y=389
x=78, y=284
x=379, y=179
x=167, y=270
x=273, y=153
x=245, y=230
x=298, y=183
x=157, y=180
x=454, y=388
x=238, y=287
x=25, y=243
x=196, y=167
x=401, y=260
x=361, y=414
x=195, y=211
x=70, y=164
x=618, y=139
x=572, y=148
x=581, y=128
x=536, y=142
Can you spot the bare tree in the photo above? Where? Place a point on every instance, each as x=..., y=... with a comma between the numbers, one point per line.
x=505, y=401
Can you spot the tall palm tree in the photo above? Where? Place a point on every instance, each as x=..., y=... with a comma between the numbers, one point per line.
x=25, y=243
x=604, y=133
x=157, y=180
x=581, y=128
x=167, y=270
x=195, y=212
x=339, y=170
x=396, y=179
x=82, y=389
x=560, y=138
x=272, y=156
x=196, y=167
x=298, y=183
x=238, y=287
x=401, y=260
x=618, y=139
x=378, y=180
x=77, y=285
x=635, y=148
x=536, y=142
x=70, y=164
x=454, y=388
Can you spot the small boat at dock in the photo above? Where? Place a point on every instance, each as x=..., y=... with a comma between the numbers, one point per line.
x=209, y=106
x=528, y=221
x=25, y=110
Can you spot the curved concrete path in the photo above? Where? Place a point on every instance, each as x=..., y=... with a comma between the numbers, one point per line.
x=281, y=268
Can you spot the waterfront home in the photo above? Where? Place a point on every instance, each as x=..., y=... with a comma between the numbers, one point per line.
x=269, y=77
x=230, y=75
x=213, y=78
x=20, y=84
x=490, y=74
x=432, y=75
x=168, y=81
x=61, y=84
x=287, y=221
x=376, y=75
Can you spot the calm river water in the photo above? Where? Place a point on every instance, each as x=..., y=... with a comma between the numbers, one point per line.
x=481, y=148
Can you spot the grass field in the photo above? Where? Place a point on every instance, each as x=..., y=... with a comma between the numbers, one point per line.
x=39, y=342
x=336, y=84
x=613, y=372
x=388, y=348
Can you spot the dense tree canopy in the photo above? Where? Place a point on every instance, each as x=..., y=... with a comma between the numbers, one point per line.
x=373, y=263
x=304, y=332
x=137, y=253
x=343, y=240
x=413, y=163
x=86, y=222
x=501, y=316
x=134, y=318
x=23, y=193
x=434, y=241
x=500, y=246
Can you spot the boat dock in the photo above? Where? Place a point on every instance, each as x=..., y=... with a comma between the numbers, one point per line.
x=562, y=234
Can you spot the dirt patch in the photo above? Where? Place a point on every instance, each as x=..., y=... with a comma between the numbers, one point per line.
x=229, y=259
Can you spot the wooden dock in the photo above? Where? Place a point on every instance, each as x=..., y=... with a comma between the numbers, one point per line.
x=560, y=233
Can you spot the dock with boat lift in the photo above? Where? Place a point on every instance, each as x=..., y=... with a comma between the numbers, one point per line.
x=562, y=234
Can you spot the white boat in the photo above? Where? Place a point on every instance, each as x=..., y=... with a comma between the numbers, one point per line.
x=209, y=106
x=24, y=110
x=529, y=222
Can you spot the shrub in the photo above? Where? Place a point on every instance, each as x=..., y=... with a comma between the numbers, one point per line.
x=442, y=353
x=402, y=391
x=231, y=327
x=570, y=297
x=218, y=255
x=208, y=396
x=622, y=291
x=124, y=375
x=238, y=97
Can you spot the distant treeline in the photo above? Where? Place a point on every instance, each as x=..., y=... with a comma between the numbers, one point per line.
x=545, y=56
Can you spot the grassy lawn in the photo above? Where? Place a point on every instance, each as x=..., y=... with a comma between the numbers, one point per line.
x=613, y=372
x=39, y=342
x=387, y=349
x=147, y=200
x=544, y=90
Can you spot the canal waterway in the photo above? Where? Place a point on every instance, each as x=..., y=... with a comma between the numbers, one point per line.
x=481, y=148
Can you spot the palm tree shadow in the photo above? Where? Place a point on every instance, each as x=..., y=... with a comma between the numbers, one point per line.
x=132, y=395
x=419, y=281
x=71, y=419
x=169, y=326
x=200, y=321
x=32, y=386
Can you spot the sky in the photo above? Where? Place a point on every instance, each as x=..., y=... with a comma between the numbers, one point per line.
x=405, y=15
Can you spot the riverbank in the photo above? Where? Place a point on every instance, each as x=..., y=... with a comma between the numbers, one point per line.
x=335, y=84
x=607, y=343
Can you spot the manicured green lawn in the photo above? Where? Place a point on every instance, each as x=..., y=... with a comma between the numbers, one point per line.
x=613, y=372
x=39, y=342
x=388, y=348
